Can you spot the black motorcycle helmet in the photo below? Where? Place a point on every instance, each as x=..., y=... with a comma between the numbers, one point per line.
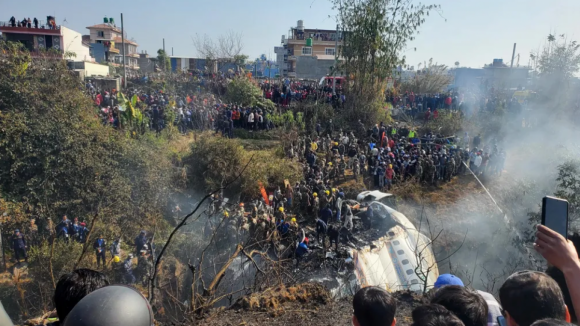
x=111, y=305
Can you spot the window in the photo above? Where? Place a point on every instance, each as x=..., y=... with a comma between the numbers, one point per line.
x=409, y=272
x=396, y=242
x=415, y=281
x=391, y=233
x=329, y=51
x=306, y=50
x=404, y=261
x=100, y=34
x=400, y=252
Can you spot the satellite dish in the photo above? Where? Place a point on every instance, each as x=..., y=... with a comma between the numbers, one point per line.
x=457, y=63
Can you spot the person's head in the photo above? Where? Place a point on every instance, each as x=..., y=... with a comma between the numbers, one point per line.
x=434, y=315
x=74, y=286
x=551, y=322
x=374, y=306
x=528, y=296
x=468, y=305
x=447, y=279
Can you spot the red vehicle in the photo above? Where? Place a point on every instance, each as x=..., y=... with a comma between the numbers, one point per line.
x=328, y=81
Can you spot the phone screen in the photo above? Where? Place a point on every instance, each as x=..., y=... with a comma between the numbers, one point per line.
x=501, y=321
x=555, y=213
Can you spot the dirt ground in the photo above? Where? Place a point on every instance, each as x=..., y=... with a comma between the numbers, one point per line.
x=316, y=308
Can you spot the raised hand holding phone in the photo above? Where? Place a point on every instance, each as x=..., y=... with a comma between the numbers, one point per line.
x=555, y=214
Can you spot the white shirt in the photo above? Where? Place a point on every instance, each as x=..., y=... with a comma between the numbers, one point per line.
x=478, y=160
x=251, y=117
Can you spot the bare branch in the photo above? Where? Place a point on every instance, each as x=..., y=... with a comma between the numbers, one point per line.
x=183, y=222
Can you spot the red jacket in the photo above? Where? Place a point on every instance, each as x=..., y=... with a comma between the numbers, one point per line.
x=389, y=173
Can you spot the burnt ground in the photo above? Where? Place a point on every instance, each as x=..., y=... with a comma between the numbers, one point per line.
x=304, y=304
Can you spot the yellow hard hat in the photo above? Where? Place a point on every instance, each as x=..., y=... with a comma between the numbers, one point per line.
x=333, y=189
x=329, y=163
x=226, y=214
x=293, y=220
x=327, y=192
x=281, y=209
x=116, y=259
x=315, y=194
x=335, y=144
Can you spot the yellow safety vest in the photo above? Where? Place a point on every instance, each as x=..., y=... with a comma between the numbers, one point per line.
x=411, y=134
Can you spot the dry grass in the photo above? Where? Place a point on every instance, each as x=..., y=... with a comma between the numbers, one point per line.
x=273, y=299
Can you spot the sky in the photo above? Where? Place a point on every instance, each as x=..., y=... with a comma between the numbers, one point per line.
x=471, y=32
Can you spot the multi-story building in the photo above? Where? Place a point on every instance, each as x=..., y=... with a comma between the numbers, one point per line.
x=309, y=53
x=46, y=35
x=106, y=43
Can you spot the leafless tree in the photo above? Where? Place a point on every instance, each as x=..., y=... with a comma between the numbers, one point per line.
x=226, y=47
x=427, y=261
x=434, y=78
x=230, y=44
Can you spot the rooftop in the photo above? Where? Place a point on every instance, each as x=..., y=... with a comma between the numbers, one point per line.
x=119, y=40
x=105, y=26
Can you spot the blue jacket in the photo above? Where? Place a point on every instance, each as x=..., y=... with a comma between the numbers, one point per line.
x=100, y=244
x=139, y=242
x=18, y=241
x=301, y=250
x=83, y=232
x=326, y=214
x=321, y=226
x=283, y=227
x=62, y=227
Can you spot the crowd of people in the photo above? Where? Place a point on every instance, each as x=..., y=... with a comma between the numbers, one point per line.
x=526, y=298
x=26, y=22
x=124, y=270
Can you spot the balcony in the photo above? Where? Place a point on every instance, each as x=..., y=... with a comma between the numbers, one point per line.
x=43, y=28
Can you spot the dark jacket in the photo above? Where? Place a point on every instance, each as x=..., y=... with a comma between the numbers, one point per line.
x=18, y=241
x=100, y=244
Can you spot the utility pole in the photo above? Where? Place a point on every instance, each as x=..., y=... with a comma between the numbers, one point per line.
x=163, y=45
x=171, y=51
x=513, y=55
x=335, y=62
x=123, y=45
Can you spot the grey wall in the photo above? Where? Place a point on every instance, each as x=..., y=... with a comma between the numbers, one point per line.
x=311, y=68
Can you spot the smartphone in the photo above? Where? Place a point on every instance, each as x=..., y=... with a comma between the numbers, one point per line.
x=501, y=321
x=555, y=214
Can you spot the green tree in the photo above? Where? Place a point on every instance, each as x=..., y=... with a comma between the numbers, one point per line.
x=163, y=59
x=243, y=91
x=376, y=32
x=556, y=66
x=569, y=189
x=57, y=157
